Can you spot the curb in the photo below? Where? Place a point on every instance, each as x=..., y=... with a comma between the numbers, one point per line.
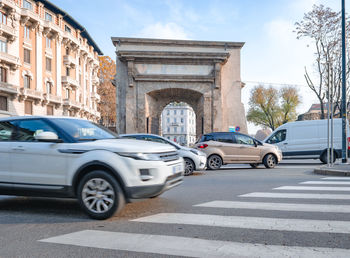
x=334, y=172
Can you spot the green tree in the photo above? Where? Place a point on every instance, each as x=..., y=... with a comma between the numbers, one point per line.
x=270, y=107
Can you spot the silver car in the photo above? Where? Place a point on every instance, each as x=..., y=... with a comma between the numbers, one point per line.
x=194, y=159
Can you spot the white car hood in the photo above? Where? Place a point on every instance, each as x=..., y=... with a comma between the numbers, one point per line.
x=123, y=145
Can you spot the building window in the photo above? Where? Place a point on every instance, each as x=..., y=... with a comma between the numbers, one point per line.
x=48, y=42
x=67, y=71
x=167, y=112
x=182, y=120
x=3, y=46
x=3, y=103
x=27, y=56
x=67, y=51
x=175, y=129
x=49, y=87
x=49, y=110
x=48, y=17
x=3, y=74
x=26, y=32
x=48, y=64
x=168, y=129
x=28, y=107
x=182, y=112
x=26, y=81
x=28, y=5
x=182, y=129
x=66, y=28
x=67, y=94
x=3, y=18
x=168, y=120
x=175, y=112
x=174, y=119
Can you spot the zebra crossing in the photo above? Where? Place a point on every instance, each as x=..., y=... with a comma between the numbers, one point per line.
x=168, y=244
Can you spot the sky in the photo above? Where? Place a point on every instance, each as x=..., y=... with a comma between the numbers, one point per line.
x=271, y=55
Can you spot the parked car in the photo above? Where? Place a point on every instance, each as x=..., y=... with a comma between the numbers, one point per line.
x=230, y=147
x=307, y=139
x=68, y=157
x=194, y=159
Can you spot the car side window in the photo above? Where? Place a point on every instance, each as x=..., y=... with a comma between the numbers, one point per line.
x=7, y=130
x=154, y=139
x=243, y=139
x=277, y=137
x=227, y=138
x=28, y=129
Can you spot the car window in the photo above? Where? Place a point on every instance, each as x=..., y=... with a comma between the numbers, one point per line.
x=154, y=139
x=278, y=136
x=206, y=138
x=243, y=139
x=7, y=130
x=225, y=137
x=28, y=129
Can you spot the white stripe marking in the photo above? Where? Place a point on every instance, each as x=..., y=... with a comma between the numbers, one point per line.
x=277, y=206
x=185, y=246
x=324, y=183
x=249, y=222
x=337, y=178
x=298, y=196
x=314, y=188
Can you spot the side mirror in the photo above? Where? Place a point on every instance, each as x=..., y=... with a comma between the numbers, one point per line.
x=47, y=137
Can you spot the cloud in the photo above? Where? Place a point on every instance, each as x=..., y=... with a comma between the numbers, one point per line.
x=165, y=31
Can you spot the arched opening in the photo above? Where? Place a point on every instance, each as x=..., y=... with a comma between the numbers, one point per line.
x=178, y=123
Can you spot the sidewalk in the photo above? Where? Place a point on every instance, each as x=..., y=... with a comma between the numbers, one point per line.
x=338, y=169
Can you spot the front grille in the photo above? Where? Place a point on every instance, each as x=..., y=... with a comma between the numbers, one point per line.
x=168, y=156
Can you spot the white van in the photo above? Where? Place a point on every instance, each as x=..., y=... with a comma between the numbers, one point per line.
x=307, y=139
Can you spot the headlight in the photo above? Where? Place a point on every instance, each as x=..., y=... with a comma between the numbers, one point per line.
x=194, y=151
x=141, y=156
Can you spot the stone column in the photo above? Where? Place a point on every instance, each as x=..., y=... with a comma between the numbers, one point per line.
x=58, y=64
x=122, y=84
x=39, y=58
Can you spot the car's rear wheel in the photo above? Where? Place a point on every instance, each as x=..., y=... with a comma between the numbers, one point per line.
x=100, y=195
x=323, y=157
x=254, y=165
x=270, y=161
x=214, y=162
x=189, y=167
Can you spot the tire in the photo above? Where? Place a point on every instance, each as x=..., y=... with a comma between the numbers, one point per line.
x=254, y=165
x=189, y=167
x=270, y=161
x=214, y=162
x=323, y=157
x=100, y=195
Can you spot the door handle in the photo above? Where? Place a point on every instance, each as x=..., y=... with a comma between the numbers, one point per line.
x=18, y=148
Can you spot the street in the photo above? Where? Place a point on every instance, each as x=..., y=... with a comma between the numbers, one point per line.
x=235, y=211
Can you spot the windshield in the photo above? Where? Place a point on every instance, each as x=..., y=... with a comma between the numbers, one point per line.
x=83, y=130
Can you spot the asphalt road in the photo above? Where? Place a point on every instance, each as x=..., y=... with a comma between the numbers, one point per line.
x=235, y=211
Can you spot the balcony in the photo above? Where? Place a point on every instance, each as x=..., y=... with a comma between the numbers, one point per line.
x=71, y=103
x=69, y=38
x=69, y=61
x=8, y=32
x=95, y=96
x=8, y=88
x=49, y=98
x=69, y=82
x=174, y=124
x=31, y=94
x=10, y=60
x=8, y=4
x=28, y=15
x=51, y=27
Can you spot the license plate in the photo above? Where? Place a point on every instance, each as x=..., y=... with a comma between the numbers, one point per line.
x=177, y=168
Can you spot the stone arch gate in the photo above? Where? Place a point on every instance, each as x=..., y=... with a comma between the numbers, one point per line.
x=152, y=73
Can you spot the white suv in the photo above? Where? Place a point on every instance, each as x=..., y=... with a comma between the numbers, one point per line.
x=68, y=157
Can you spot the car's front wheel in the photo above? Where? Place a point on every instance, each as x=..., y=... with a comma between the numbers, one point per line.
x=189, y=167
x=270, y=161
x=214, y=162
x=100, y=195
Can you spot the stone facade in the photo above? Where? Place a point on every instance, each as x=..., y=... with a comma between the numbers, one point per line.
x=48, y=62
x=151, y=73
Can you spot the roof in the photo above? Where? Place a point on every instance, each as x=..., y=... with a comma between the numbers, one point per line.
x=50, y=6
x=37, y=117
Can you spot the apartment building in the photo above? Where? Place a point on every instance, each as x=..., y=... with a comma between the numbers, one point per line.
x=179, y=123
x=48, y=62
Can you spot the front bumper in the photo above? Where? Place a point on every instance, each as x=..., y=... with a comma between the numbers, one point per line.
x=201, y=163
x=140, y=192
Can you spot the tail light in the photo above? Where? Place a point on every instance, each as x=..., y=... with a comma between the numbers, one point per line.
x=203, y=146
x=348, y=143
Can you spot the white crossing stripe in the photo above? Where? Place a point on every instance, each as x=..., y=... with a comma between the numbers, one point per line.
x=336, y=178
x=249, y=222
x=325, y=183
x=314, y=188
x=277, y=206
x=298, y=196
x=185, y=246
